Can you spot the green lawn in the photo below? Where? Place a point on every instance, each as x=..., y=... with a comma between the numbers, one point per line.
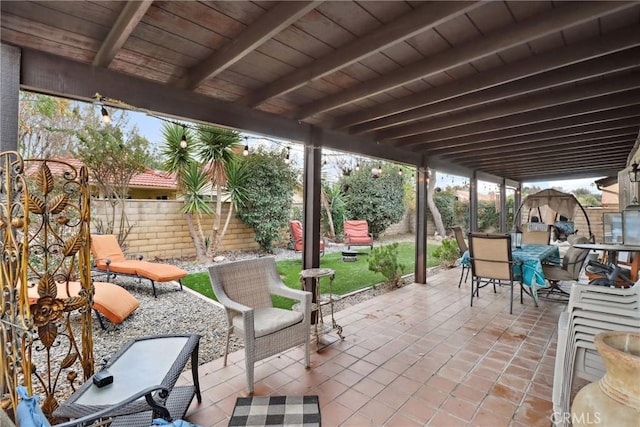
x=350, y=276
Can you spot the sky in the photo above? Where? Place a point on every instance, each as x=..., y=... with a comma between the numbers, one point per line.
x=151, y=128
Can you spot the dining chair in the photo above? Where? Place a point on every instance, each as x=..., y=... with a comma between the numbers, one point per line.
x=568, y=271
x=536, y=237
x=492, y=262
x=462, y=248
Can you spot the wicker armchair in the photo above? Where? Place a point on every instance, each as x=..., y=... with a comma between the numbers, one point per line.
x=244, y=288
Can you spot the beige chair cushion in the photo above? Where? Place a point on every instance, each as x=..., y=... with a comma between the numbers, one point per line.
x=268, y=320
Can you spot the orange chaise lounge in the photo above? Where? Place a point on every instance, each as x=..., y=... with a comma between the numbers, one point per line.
x=108, y=257
x=110, y=300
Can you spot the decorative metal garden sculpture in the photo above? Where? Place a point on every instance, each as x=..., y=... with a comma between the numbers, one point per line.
x=44, y=224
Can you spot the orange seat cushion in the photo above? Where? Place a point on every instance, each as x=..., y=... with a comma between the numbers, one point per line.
x=159, y=272
x=357, y=231
x=112, y=301
x=296, y=232
x=122, y=267
x=106, y=246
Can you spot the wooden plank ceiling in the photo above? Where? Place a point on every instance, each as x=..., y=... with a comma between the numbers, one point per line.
x=528, y=90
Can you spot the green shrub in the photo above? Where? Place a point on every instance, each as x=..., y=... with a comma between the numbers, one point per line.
x=379, y=201
x=384, y=259
x=448, y=253
x=270, y=184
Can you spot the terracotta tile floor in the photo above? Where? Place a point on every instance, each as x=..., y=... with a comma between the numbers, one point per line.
x=416, y=356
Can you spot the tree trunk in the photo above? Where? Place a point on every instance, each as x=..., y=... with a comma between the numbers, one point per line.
x=201, y=254
x=327, y=208
x=216, y=237
x=435, y=213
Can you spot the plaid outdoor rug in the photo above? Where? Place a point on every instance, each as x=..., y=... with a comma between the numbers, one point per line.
x=276, y=411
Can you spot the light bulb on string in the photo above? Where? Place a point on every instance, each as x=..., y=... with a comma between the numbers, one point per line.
x=400, y=171
x=105, y=116
x=183, y=140
x=287, y=158
x=245, y=151
x=357, y=166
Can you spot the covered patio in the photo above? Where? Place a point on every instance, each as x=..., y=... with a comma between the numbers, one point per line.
x=503, y=91
x=419, y=355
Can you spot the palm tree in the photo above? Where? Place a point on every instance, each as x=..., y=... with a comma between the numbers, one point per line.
x=215, y=148
x=190, y=179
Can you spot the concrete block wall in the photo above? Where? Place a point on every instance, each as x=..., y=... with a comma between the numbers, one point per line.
x=160, y=230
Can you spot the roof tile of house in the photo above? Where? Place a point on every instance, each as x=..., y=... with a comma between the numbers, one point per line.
x=147, y=179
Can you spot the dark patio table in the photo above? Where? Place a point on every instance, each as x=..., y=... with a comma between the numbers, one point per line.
x=531, y=257
x=139, y=364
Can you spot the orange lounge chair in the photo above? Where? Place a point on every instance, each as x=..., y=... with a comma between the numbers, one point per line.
x=296, y=235
x=109, y=258
x=110, y=300
x=356, y=233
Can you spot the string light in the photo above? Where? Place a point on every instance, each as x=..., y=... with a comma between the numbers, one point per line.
x=183, y=140
x=357, y=166
x=400, y=171
x=287, y=158
x=105, y=116
x=245, y=152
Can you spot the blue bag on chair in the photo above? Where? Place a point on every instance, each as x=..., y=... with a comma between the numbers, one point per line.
x=176, y=423
x=28, y=412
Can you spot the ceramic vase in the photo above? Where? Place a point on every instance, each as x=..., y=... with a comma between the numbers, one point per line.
x=614, y=400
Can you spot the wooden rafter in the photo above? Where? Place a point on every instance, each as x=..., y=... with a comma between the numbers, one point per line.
x=408, y=25
x=606, y=102
x=571, y=74
x=538, y=101
x=274, y=21
x=131, y=14
x=534, y=28
x=606, y=119
x=537, y=140
x=545, y=62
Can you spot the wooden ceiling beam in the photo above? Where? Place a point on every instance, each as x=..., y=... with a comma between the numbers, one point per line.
x=612, y=163
x=538, y=101
x=408, y=25
x=571, y=74
x=607, y=102
x=57, y=76
x=548, y=162
x=590, y=122
x=579, y=173
x=129, y=17
x=559, y=18
x=276, y=19
x=540, y=171
x=576, y=53
x=478, y=151
x=539, y=137
x=569, y=150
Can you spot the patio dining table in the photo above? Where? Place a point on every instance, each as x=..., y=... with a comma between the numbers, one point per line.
x=529, y=269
